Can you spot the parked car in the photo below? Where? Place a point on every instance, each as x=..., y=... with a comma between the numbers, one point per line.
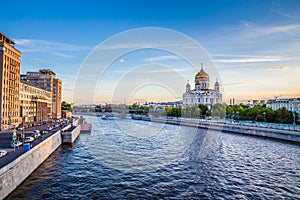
x=49, y=128
x=29, y=139
x=36, y=134
x=16, y=143
x=44, y=132
x=20, y=128
x=2, y=153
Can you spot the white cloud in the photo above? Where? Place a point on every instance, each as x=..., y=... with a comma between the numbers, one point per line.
x=247, y=82
x=142, y=45
x=162, y=58
x=63, y=55
x=33, y=45
x=280, y=10
x=150, y=71
x=251, y=59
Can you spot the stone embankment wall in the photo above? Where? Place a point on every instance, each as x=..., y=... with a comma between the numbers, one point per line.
x=14, y=173
x=70, y=135
x=288, y=135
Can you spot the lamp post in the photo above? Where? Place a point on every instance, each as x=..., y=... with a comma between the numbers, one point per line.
x=23, y=121
x=294, y=122
x=264, y=113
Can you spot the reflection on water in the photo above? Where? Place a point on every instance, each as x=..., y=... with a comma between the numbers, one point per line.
x=174, y=162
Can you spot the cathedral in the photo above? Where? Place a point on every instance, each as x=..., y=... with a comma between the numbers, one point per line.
x=202, y=94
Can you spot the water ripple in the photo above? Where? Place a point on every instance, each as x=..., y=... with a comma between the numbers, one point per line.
x=172, y=164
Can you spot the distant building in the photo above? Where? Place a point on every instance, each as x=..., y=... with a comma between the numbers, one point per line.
x=202, y=94
x=46, y=79
x=10, y=63
x=291, y=104
x=35, y=103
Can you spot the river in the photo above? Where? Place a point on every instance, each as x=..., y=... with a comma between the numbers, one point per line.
x=126, y=159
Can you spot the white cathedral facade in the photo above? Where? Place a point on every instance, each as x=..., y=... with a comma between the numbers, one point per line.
x=202, y=94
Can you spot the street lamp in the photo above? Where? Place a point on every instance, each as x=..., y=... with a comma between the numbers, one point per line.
x=294, y=123
x=23, y=121
x=264, y=113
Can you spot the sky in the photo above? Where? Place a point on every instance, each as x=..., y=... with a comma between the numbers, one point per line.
x=251, y=47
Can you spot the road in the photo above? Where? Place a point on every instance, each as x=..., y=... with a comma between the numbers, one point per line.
x=6, y=138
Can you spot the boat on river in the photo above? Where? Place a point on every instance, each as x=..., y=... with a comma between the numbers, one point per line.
x=84, y=126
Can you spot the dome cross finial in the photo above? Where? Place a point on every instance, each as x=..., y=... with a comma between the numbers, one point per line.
x=201, y=65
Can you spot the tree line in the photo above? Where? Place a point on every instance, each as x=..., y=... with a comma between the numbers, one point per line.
x=256, y=113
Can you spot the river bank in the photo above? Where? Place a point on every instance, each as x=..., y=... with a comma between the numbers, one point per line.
x=287, y=135
x=15, y=172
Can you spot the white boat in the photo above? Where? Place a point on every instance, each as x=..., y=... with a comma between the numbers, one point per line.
x=108, y=117
x=84, y=126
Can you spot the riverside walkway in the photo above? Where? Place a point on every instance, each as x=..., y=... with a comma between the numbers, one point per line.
x=275, y=132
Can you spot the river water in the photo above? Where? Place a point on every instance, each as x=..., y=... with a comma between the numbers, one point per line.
x=126, y=159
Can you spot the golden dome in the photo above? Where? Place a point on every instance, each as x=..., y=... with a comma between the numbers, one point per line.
x=217, y=83
x=197, y=83
x=187, y=85
x=201, y=74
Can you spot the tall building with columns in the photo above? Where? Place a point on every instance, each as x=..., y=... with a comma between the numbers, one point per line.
x=202, y=94
x=10, y=63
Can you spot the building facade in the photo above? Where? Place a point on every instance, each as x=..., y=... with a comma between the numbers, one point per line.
x=35, y=103
x=202, y=94
x=57, y=99
x=10, y=64
x=291, y=104
x=33, y=97
x=46, y=79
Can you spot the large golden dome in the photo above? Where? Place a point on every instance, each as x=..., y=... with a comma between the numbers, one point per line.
x=201, y=74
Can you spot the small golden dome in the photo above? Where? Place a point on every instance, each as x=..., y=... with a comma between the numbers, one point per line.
x=188, y=84
x=217, y=83
x=197, y=83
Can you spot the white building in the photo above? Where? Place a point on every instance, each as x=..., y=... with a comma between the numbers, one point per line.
x=202, y=94
x=291, y=104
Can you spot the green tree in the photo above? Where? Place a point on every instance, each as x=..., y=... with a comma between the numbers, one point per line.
x=204, y=109
x=196, y=113
x=186, y=111
x=219, y=110
x=98, y=108
x=66, y=106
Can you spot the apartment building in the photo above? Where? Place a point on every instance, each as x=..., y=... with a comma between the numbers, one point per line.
x=46, y=79
x=10, y=64
x=35, y=103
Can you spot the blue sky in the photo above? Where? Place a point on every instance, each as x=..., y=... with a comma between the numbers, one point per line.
x=255, y=45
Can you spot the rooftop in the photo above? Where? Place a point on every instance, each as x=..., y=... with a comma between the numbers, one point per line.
x=4, y=38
